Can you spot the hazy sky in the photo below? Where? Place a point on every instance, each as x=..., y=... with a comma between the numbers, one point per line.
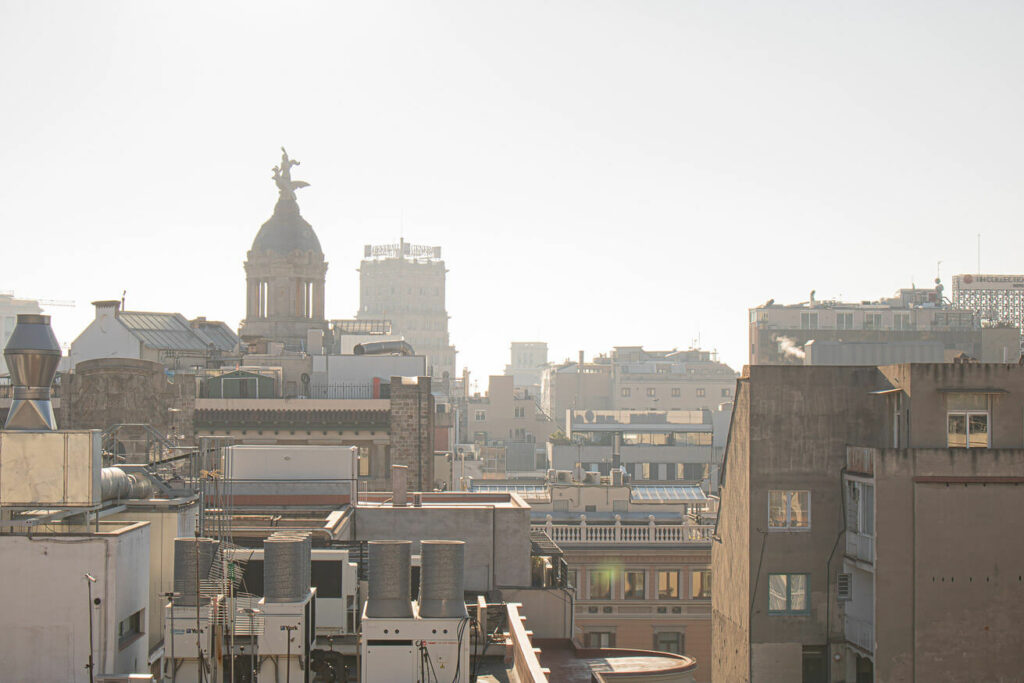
x=598, y=173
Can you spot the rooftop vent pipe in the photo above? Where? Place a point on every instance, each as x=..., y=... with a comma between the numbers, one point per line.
x=441, y=579
x=402, y=348
x=32, y=356
x=390, y=594
x=286, y=566
x=399, y=485
x=186, y=576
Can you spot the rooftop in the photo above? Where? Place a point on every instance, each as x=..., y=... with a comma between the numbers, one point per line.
x=569, y=664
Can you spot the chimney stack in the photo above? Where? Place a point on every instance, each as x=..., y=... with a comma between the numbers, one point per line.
x=32, y=356
x=399, y=485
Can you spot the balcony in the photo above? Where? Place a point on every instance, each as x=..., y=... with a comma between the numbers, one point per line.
x=860, y=547
x=626, y=534
x=860, y=632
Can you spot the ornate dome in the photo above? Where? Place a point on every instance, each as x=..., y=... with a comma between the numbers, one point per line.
x=286, y=231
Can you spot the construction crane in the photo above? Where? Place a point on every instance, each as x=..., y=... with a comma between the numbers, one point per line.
x=42, y=302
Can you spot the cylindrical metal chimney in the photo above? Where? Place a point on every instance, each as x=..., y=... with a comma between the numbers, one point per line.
x=32, y=356
x=441, y=579
x=286, y=567
x=399, y=485
x=390, y=594
x=185, y=573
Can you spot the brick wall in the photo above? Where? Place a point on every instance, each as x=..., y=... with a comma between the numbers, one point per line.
x=412, y=433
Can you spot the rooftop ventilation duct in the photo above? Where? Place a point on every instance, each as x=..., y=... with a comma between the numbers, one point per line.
x=286, y=566
x=389, y=590
x=401, y=348
x=191, y=567
x=32, y=356
x=441, y=579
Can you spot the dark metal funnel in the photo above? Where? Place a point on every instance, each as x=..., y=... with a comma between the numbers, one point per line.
x=32, y=356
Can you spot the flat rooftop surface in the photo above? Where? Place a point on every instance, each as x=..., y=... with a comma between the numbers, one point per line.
x=570, y=665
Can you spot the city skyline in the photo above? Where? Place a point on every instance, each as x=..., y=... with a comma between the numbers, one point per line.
x=597, y=175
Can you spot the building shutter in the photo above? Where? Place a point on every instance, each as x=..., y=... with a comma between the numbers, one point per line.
x=844, y=587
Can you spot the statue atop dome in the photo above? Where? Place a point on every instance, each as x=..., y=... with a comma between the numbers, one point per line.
x=283, y=177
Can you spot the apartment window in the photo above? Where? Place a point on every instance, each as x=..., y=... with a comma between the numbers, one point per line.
x=668, y=641
x=726, y=392
x=600, y=584
x=651, y=392
x=901, y=321
x=573, y=578
x=480, y=416
x=872, y=321
x=844, y=321
x=808, y=321
x=700, y=584
x=668, y=585
x=645, y=470
x=625, y=392
x=789, y=510
x=520, y=412
x=967, y=421
x=700, y=393
x=692, y=471
x=634, y=585
x=128, y=630
x=676, y=392
x=787, y=594
x=860, y=508
x=599, y=639
x=263, y=302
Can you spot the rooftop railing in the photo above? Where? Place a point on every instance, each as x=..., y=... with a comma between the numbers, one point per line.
x=641, y=534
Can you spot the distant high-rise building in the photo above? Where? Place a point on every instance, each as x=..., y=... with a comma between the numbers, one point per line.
x=285, y=272
x=915, y=325
x=405, y=283
x=995, y=298
x=528, y=362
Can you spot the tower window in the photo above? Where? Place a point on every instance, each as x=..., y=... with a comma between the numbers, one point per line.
x=263, y=303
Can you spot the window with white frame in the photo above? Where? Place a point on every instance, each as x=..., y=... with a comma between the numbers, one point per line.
x=844, y=321
x=789, y=510
x=634, y=584
x=625, y=392
x=668, y=584
x=967, y=420
x=860, y=508
x=808, y=321
x=651, y=392
x=600, y=584
x=700, y=584
x=481, y=416
x=787, y=594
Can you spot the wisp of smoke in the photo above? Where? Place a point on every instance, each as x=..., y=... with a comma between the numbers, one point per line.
x=789, y=349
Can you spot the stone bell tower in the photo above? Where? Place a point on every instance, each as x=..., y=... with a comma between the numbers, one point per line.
x=285, y=271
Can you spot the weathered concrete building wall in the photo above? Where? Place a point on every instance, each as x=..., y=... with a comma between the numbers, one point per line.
x=800, y=422
x=730, y=566
x=497, y=536
x=948, y=584
x=412, y=434
x=49, y=639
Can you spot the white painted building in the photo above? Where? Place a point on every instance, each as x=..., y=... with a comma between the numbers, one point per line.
x=167, y=338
